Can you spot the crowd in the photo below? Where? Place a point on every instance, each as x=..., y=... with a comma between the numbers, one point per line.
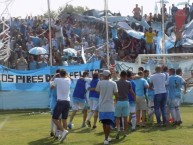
x=33, y=32
x=118, y=100
x=188, y=9
x=73, y=33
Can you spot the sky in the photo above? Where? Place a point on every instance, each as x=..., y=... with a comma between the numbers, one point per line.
x=36, y=7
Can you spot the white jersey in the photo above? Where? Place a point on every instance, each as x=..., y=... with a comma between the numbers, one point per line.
x=159, y=83
x=63, y=88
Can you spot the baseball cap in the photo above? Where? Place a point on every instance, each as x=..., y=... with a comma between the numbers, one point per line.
x=106, y=73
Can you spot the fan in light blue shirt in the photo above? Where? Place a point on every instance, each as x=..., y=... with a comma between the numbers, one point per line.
x=141, y=83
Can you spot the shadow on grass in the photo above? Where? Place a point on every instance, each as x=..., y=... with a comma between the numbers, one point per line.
x=190, y=127
x=155, y=128
x=45, y=141
x=113, y=141
x=81, y=130
x=99, y=133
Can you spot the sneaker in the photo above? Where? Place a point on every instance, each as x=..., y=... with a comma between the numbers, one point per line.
x=64, y=134
x=118, y=135
x=112, y=127
x=106, y=142
x=109, y=139
x=125, y=135
x=158, y=125
x=69, y=126
x=88, y=123
x=174, y=123
x=179, y=123
x=51, y=134
x=165, y=124
x=94, y=127
x=129, y=124
x=58, y=134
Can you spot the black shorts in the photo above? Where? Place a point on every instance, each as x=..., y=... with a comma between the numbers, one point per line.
x=62, y=107
x=107, y=122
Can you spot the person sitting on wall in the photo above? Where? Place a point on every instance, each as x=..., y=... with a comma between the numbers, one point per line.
x=137, y=12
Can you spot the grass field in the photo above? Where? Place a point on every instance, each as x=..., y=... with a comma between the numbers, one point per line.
x=32, y=128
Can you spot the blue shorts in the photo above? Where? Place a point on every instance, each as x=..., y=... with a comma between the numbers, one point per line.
x=107, y=118
x=122, y=109
x=149, y=46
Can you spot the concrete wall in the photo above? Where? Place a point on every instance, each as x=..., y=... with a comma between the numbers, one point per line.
x=23, y=100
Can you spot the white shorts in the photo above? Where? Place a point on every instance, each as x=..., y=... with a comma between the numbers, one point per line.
x=132, y=107
x=78, y=105
x=93, y=105
x=150, y=103
x=175, y=102
x=141, y=103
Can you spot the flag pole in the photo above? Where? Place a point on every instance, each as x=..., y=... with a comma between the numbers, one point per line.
x=163, y=28
x=163, y=32
x=107, y=32
x=50, y=32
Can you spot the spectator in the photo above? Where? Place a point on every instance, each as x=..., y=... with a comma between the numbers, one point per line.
x=64, y=61
x=35, y=23
x=137, y=12
x=174, y=9
x=158, y=81
x=29, y=22
x=150, y=19
x=145, y=17
x=155, y=18
x=149, y=35
x=21, y=63
x=43, y=40
x=42, y=63
x=29, y=44
x=141, y=104
x=44, y=25
x=165, y=10
x=191, y=12
x=178, y=34
x=35, y=39
x=59, y=35
x=19, y=40
x=186, y=9
x=71, y=61
x=57, y=59
x=32, y=63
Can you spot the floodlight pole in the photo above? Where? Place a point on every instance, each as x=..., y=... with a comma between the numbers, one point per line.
x=50, y=32
x=163, y=32
x=6, y=28
x=107, y=32
x=163, y=28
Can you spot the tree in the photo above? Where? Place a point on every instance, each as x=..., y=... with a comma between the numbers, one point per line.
x=53, y=15
x=72, y=9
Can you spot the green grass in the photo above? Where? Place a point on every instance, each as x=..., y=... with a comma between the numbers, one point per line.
x=24, y=128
